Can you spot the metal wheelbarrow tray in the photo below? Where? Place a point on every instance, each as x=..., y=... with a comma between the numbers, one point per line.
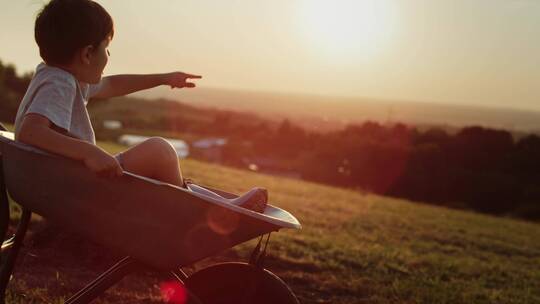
x=155, y=224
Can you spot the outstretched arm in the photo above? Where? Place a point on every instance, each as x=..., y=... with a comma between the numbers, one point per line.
x=119, y=85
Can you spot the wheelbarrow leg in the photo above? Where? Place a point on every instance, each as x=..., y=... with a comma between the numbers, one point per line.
x=179, y=274
x=13, y=246
x=107, y=279
x=113, y=275
x=10, y=248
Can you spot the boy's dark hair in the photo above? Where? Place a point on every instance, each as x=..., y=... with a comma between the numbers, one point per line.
x=65, y=26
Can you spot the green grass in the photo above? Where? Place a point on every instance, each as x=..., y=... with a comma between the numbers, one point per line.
x=362, y=248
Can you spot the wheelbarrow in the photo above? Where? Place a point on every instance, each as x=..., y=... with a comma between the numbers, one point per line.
x=155, y=225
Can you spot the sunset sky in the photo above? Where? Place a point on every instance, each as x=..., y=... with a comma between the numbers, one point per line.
x=478, y=52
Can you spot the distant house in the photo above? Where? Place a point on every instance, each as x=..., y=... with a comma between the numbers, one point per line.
x=112, y=124
x=269, y=166
x=180, y=146
x=209, y=148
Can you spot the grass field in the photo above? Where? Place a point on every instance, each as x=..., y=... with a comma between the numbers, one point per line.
x=354, y=248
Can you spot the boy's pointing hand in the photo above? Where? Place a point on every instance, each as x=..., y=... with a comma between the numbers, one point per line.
x=180, y=80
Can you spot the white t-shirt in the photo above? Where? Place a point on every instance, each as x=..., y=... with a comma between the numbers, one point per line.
x=57, y=95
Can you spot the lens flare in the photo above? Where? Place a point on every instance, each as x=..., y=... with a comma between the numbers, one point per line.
x=173, y=292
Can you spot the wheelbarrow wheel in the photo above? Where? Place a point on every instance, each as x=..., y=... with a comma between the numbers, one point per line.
x=239, y=283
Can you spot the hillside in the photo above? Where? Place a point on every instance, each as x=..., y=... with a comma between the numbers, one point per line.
x=354, y=248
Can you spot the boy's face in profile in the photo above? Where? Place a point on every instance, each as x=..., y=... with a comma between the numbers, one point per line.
x=94, y=61
x=99, y=59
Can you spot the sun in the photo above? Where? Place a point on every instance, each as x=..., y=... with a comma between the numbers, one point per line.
x=348, y=26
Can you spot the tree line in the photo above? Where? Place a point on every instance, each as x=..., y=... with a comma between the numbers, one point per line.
x=12, y=89
x=477, y=168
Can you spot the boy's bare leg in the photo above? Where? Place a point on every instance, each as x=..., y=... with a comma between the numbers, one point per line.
x=154, y=158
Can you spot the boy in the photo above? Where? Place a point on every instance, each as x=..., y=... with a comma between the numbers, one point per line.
x=73, y=36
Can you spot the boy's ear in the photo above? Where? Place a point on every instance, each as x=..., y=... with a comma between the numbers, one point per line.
x=86, y=54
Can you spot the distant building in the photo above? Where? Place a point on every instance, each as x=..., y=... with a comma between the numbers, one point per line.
x=180, y=146
x=209, y=143
x=209, y=148
x=112, y=124
x=269, y=166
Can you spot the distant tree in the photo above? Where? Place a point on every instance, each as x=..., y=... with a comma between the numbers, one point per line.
x=493, y=192
x=426, y=177
x=222, y=122
x=289, y=139
x=526, y=159
x=435, y=136
x=12, y=89
x=477, y=148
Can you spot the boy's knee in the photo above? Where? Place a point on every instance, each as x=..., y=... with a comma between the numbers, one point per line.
x=163, y=149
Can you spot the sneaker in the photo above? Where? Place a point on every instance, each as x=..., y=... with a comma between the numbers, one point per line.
x=187, y=181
